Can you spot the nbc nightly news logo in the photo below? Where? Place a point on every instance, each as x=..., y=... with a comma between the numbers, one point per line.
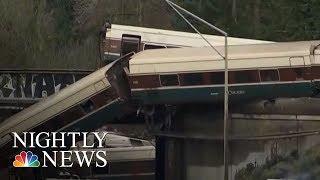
x=64, y=159
x=26, y=159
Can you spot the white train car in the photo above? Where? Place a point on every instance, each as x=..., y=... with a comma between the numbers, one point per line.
x=122, y=39
x=59, y=110
x=127, y=158
x=258, y=71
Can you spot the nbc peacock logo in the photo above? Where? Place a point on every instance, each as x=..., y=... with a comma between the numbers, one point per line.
x=26, y=159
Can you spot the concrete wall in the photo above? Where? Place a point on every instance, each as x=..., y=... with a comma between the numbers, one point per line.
x=192, y=157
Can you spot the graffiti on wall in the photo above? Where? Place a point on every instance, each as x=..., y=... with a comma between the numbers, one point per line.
x=33, y=85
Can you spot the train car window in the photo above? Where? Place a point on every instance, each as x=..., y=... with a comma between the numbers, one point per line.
x=299, y=73
x=87, y=106
x=316, y=72
x=151, y=46
x=287, y=74
x=217, y=78
x=191, y=79
x=303, y=73
x=269, y=75
x=169, y=80
x=293, y=74
x=172, y=47
x=130, y=43
x=136, y=142
x=144, y=81
x=244, y=76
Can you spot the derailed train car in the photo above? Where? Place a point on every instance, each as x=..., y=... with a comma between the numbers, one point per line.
x=262, y=71
x=127, y=158
x=121, y=40
x=55, y=113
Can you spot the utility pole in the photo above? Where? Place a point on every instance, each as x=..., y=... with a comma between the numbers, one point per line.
x=175, y=7
x=140, y=13
x=122, y=12
x=226, y=114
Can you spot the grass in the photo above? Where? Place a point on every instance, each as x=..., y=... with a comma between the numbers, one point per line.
x=293, y=166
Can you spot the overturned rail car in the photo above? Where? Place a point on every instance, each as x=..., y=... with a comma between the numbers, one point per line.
x=83, y=99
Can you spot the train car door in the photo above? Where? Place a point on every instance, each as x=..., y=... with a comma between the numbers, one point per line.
x=118, y=77
x=317, y=56
x=130, y=43
x=110, y=46
x=316, y=69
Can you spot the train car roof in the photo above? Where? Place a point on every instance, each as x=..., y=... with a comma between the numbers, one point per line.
x=175, y=38
x=191, y=58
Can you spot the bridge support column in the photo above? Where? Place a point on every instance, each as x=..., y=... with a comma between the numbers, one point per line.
x=160, y=158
